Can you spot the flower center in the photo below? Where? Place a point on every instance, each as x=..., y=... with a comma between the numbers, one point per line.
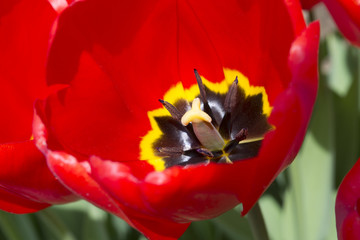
x=205, y=132
x=225, y=123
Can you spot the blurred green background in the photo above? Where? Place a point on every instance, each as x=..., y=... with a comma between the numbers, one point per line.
x=299, y=205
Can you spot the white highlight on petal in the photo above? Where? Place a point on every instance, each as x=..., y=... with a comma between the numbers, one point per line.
x=58, y=5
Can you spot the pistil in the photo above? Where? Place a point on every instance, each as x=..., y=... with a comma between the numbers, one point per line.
x=204, y=130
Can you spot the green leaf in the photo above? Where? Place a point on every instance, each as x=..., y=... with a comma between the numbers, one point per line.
x=94, y=225
x=340, y=77
x=229, y=225
x=17, y=227
x=235, y=226
x=347, y=120
x=309, y=199
x=121, y=229
x=54, y=226
x=308, y=204
x=72, y=215
x=272, y=215
x=332, y=234
x=200, y=230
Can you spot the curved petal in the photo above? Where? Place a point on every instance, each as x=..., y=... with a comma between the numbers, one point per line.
x=108, y=118
x=125, y=188
x=352, y=7
x=24, y=171
x=77, y=176
x=13, y=203
x=347, y=205
x=296, y=15
x=26, y=183
x=304, y=67
x=347, y=18
x=346, y=15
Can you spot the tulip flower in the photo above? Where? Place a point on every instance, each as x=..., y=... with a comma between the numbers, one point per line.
x=140, y=134
x=347, y=205
x=346, y=14
x=26, y=184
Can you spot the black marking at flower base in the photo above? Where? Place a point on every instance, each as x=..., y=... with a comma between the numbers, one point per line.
x=237, y=115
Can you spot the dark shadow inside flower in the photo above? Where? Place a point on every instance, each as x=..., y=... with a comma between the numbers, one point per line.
x=235, y=129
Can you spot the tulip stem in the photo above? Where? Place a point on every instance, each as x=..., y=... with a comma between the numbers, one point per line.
x=257, y=223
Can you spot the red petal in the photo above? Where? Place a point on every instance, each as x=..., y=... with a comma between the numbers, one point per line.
x=347, y=207
x=76, y=176
x=303, y=62
x=24, y=173
x=25, y=27
x=352, y=8
x=347, y=17
x=118, y=181
x=296, y=15
x=26, y=183
x=12, y=202
x=108, y=119
x=182, y=36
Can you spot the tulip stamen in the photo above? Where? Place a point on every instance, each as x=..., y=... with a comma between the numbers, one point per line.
x=242, y=134
x=170, y=150
x=203, y=97
x=205, y=152
x=229, y=104
x=174, y=112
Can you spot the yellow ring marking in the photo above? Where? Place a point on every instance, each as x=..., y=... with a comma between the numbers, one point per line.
x=178, y=92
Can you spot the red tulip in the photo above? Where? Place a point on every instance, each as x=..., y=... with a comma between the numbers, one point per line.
x=347, y=205
x=346, y=14
x=26, y=184
x=120, y=57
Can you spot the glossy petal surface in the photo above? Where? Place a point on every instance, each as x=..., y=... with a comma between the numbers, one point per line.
x=119, y=59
